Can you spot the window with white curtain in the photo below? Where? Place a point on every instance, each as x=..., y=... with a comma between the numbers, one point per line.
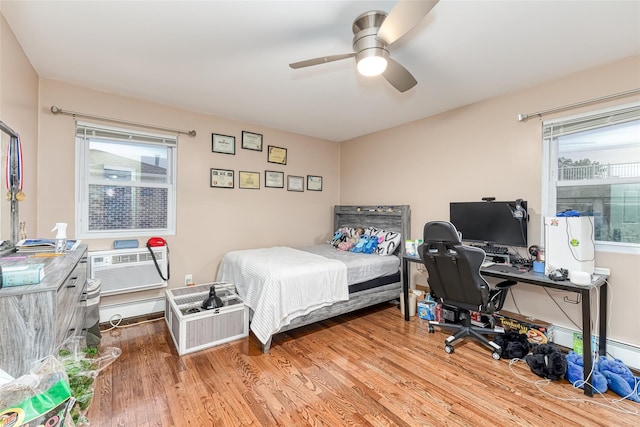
x=125, y=182
x=591, y=163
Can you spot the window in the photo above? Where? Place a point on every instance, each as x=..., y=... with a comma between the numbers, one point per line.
x=592, y=164
x=125, y=182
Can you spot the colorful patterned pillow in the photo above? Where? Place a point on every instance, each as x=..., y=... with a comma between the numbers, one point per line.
x=388, y=241
x=342, y=235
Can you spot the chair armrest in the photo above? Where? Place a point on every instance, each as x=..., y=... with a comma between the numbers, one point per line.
x=506, y=284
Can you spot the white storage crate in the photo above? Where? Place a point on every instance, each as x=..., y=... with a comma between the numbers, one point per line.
x=193, y=328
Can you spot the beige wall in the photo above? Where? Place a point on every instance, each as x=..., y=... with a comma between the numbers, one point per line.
x=18, y=110
x=482, y=150
x=210, y=221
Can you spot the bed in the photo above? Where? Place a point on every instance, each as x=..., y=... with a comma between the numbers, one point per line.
x=286, y=288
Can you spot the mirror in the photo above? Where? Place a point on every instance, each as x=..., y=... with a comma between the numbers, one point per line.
x=10, y=238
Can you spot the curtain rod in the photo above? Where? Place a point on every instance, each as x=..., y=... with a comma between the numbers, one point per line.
x=524, y=117
x=56, y=110
x=6, y=129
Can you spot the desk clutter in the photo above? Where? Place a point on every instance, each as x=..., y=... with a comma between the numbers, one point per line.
x=32, y=246
x=535, y=331
x=21, y=274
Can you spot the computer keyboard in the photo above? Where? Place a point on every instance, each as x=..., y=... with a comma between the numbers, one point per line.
x=497, y=250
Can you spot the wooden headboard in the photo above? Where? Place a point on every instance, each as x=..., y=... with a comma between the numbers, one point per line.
x=389, y=217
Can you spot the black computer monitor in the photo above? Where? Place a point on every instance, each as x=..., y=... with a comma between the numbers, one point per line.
x=492, y=223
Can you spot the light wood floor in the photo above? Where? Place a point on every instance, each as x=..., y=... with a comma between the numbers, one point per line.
x=364, y=369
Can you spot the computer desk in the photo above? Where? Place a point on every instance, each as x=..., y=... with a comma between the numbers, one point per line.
x=538, y=279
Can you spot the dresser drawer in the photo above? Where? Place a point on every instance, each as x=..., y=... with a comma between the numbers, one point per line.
x=71, y=296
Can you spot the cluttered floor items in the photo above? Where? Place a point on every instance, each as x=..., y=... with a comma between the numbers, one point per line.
x=608, y=373
x=529, y=340
x=58, y=389
x=547, y=361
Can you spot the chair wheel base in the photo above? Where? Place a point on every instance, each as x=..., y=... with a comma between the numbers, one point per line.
x=496, y=355
x=492, y=322
x=448, y=349
x=432, y=329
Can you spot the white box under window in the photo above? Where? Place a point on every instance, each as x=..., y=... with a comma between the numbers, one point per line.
x=193, y=328
x=569, y=244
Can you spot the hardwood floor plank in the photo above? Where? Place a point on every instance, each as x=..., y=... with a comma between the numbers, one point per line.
x=303, y=392
x=367, y=398
x=369, y=368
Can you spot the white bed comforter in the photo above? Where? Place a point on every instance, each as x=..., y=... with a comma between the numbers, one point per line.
x=282, y=283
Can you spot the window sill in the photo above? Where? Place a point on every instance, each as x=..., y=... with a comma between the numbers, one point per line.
x=618, y=247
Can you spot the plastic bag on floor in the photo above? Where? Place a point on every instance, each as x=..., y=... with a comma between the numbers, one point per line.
x=42, y=397
x=82, y=365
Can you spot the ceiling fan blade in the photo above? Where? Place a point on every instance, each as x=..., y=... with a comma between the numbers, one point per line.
x=398, y=76
x=321, y=60
x=402, y=18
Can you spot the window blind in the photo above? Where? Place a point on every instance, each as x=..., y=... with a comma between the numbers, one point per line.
x=566, y=127
x=91, y=130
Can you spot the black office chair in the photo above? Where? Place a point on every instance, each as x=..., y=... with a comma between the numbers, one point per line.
x=455, y=281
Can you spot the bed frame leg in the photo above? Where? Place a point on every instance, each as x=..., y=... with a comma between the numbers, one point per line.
x=266, y=346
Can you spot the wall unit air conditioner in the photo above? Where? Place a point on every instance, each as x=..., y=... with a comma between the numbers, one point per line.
x=128, y=270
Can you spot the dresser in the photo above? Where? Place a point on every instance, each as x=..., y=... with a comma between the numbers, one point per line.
x=36, y=319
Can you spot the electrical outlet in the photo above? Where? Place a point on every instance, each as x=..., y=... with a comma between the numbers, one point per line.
x=188, y=279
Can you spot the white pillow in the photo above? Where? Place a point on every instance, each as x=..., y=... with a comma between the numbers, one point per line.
x=388, y=244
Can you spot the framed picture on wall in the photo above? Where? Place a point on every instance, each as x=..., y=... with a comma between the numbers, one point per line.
x=251, y=141
x=224, y=144
x=295, y=183
x=314, y=183
x=250, y=180
x=221, y=178
x=277, y=155
x=274, y=179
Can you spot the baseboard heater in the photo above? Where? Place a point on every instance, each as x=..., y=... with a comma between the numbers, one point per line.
x=628, y=353
x=128, y=270
x=129, y=309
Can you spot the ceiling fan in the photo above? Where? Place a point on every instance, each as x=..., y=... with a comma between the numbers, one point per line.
x=374, y=32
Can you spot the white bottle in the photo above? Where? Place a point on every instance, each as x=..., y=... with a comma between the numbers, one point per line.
x=61, y=237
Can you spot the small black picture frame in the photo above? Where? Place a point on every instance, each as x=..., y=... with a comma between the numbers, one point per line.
x=276, y=155
x=314, y=183
x=222, y=178
x=273, y=179
x=249, y=180
x=225, y=144
x=295, y=183
x=251, y=141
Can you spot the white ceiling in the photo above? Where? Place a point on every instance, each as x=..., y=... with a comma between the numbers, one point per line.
x=230, y=58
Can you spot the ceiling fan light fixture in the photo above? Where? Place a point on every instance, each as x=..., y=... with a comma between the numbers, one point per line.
x=372, y=62
x=373, y=32
x=372, y=66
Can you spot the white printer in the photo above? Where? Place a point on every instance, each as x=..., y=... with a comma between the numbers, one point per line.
x=569, y=244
